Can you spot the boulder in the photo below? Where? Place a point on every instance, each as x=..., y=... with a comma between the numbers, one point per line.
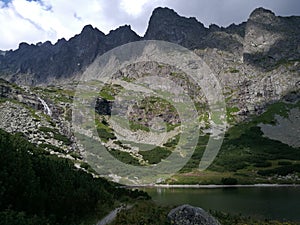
x=189, y=215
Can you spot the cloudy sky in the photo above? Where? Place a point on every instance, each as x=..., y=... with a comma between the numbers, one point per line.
x=35, y=21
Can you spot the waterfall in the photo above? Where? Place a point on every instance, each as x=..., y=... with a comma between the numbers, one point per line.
x=46, y=107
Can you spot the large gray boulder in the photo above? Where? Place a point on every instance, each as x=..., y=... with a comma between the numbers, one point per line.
x=189, y=215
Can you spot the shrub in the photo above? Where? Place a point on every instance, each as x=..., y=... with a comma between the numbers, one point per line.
x=229, y=181
x=284, y=163
x=263, y=164
x=105, y=135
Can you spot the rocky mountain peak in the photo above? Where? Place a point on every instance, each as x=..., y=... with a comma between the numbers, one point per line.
x=270, y=40
x=165, y=24
x=163, y=12
x=88, y=34
x=90, y=30
x=23, y=45
x=265, y=40
x=262, y=15
x=121, y=35
x=121, y=29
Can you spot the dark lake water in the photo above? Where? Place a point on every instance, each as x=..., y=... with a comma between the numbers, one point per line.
x=281, y=203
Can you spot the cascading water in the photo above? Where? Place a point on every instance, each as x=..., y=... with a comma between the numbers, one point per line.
x=46, y=107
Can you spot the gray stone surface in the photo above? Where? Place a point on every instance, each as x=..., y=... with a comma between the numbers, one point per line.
x=189, y=215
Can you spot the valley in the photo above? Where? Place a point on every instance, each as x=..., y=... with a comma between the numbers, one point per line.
x=67, y=123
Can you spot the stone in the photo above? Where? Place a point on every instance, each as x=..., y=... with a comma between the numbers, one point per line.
x=189, y=215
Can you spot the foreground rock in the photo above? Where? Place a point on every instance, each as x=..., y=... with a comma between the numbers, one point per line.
x=189, y=215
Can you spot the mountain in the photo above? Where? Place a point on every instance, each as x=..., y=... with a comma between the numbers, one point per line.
x=165, y=24
x=271, y=40
x=256, y=63
x=264, y=40
x=44, y=62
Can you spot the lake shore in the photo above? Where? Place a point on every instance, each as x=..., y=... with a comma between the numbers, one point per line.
x=210, y=186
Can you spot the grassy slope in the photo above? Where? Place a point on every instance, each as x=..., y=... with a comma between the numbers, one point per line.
x=247, y=156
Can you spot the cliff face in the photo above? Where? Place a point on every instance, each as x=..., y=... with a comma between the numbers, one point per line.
x=165, y=24
x=271, y=40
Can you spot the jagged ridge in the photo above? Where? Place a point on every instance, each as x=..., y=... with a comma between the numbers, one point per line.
x=44, y=62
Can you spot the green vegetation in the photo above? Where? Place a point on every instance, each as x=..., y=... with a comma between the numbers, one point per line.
x=279, y=108
x=51, y=147
x=246, y=155
x=108, y=91
x=286, y=62
x=124, y=157
x=46, y=129
x=282, y=170
x=143, y=212
x=229, y=219
x=152, y=107
x=197, y=155
x=56, y=94
x=230, y=114
x=233, y=70
x=56, y=135
x=75, y=155
x=128, y=79
x=155, y=155
x=251, y=148
x=62, y=138
x=147, y=212
x=134, y=126
x=87, y=167
x=38, y=188
x=105, y=135
x=243, y=159
x=229, y=181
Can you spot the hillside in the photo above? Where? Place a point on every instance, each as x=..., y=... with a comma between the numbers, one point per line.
x=39, y=188
x=255, y=62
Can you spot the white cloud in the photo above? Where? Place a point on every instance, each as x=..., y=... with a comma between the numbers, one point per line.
x=133, y=7
x=43, y=20
x=13, y=27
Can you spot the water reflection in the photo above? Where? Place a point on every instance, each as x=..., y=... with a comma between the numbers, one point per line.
x=280, y=203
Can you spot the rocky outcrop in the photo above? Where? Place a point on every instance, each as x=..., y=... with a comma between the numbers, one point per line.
x=40, y=122
x=189, y=215
x=15, y=93
x=103, y=106
x=271, y=40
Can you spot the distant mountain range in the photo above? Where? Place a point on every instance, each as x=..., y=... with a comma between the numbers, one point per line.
x=264, y=40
